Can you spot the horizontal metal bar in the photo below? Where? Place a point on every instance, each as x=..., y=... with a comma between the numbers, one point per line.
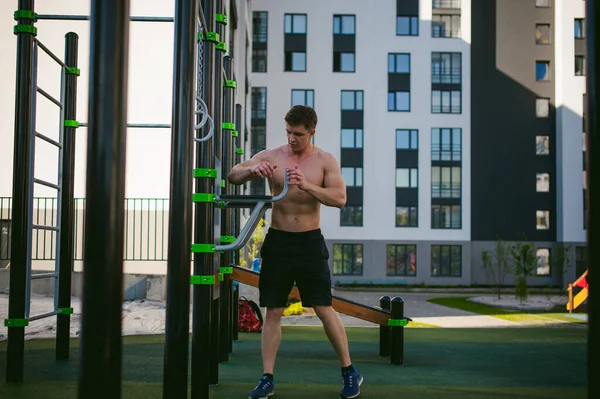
x=49, y=96
x=43, y=275
x=51, y=54
x=44, y=315
x=47, y=184
x=48, y=139
x=87, y=18
x=42, y=227
x=139, y=125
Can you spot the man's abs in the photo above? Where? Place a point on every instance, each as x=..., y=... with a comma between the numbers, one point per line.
x=295, y=217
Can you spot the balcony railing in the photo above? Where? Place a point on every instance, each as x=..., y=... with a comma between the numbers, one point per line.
x=454, y=4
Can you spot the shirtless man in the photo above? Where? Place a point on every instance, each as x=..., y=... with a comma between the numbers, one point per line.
x=294, y=249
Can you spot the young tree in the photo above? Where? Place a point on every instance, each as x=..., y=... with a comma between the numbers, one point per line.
x=252, y=248
x=524, y=256
x=561, y=260
x=498, y=264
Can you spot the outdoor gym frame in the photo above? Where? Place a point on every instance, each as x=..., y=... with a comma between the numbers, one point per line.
x=101, y=347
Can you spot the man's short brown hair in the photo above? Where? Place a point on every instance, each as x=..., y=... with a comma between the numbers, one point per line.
x=302, y=115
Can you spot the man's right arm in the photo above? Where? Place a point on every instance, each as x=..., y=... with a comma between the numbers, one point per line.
x=257, y=166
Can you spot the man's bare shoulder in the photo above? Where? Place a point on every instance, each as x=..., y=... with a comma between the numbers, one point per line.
x=269, y=154
x=327, y=158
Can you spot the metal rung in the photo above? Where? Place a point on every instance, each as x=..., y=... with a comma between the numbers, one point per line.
x=51, y=54
x=44, y=315
x=42, y=227
x=49, y=96
x=47, y=184
x=48, y=139
x=139, y=125
x=43, y=275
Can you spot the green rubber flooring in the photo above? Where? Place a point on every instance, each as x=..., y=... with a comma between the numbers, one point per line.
x=444, y=363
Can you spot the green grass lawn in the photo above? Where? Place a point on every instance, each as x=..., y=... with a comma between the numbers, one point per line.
x=531, y=317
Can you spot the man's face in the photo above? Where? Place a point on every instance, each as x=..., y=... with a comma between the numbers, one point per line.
x=298, y=136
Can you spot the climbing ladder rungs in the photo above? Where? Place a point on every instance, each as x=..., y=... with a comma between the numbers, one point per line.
x=44, y=315
x=49, y=97
x=47, y=184
x=48, y=140
x=43, y=275
x=42, y=227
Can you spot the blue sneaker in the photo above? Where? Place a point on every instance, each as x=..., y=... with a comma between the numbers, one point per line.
x=264, y=389
x=351, y=381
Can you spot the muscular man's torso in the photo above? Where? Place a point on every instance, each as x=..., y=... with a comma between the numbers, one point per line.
x=297, y=211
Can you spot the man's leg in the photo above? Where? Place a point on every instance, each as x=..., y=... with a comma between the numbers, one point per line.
x=336, y=332
x=271, y=338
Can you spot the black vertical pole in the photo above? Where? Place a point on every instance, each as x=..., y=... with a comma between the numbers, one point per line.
x=237, y=142
x=180, y=210
x=204, y=223
x=217, y=114
x=397, y=333
x=67, y=212
x=593, y=192
x=384, y=331
x=101, y=346
x=227, y=214
x=21, y=192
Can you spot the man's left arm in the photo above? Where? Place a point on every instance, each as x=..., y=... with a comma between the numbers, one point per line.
x=333, y=192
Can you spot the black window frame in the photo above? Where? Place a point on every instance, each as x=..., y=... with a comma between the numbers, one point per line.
x=454, y=150
x=305, y=91
x=437, y=249
x=353, y=213
x=440, y=31
x=413, y=25
x=392, y=254
x=437, y=223
x=357, y=267
x=438, y=192
x=413, y=217
x=292, y=15
x=356, y=93
x=339, y=17
x=413, y=135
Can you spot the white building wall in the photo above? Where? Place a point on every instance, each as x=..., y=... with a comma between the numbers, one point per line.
x=375, y=38
x=569, y=105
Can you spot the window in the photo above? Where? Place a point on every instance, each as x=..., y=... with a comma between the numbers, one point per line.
x=352, y=176
x=445, y=25
x=398, y=63
x=446, y=68
x=542, y=70
x=303, y=97
x=295, y=61
x=352, y=100
x=446, y=102
x=579, y=65
x=542, y=182
x=259, y=139
x=343, y=62
x=407, y=25
x=259, y=41
x=295, y=24
x=445, y=4
x=401, y=260
x=259, y=103
x=446, y=260
x=542, y=107
x=407, y=139
x=399, y=101
x=344, y=24
x=352, y=138
x=445, y=217
x=445, y=182
x=259, y=60
x=542, y=34
x=542, y=3
x=446, y=144
x=347, y=259
x=407, y=178
x=579, y=28
x=407, y=216
x=543, y=220
x=351, y=216
x=542, y=145
x=543, y=262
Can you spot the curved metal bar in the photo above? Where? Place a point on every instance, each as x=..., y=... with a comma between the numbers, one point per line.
x=211, y=123
x=204, y=112
x=285, y=190
x=257, y=213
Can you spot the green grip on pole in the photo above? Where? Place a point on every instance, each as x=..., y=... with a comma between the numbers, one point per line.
x=230, y=83
x=222, y=46
x=203, y=248
x=397, y=322
x=234, y=133
x=227, y=239
x=222, y=183
x=71, y=123
x=73, y=71
x=25, y=14
x=16, y=322
x=202, y=280
x=209, y=37
x=204, y=197
x=65, y=310
x=222, y=19
x=228, y=126
x=22, y=28
x=208, y=173
x=226, y=270
x=239, y=151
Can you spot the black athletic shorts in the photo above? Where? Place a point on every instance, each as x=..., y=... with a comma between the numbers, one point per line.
x=294, y=257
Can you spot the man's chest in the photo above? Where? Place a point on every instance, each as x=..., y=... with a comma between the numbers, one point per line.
x=313, y=172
